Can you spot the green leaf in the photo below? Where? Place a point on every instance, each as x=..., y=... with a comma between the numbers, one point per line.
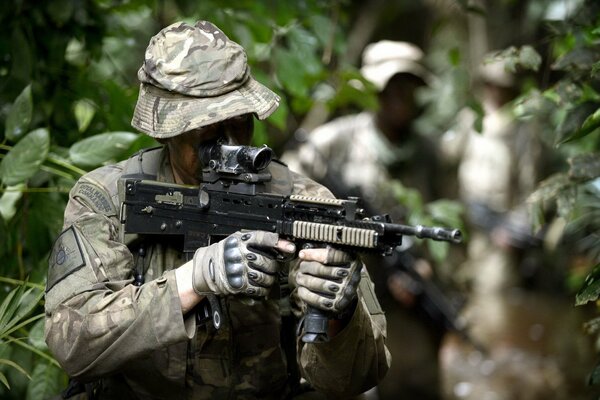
x=36, y=336
x=4, y=380
x=9, y=200
x=591, y=288
x=84, y=111
x=454, y=56
x=60, y=11
x=529, y=58
x=438, y=250
x=304, y=47
x=25, y=158
x=19, y=116
x=479, y=114
x=290, y=72
x=572, y=127
x=21, y=305
x=98, y=149
x=45, y=382
x=15, y=366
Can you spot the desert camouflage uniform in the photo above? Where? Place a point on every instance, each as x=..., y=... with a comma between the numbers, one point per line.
x=135, y=341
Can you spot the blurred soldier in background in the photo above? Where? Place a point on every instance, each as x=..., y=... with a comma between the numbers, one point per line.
x=497, y=169
x=359, y=155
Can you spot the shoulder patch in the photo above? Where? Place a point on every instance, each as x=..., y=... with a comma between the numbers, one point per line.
x=66, y=257
x=95, y=198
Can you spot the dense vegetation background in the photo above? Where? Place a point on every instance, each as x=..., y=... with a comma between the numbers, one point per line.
x=68, y=87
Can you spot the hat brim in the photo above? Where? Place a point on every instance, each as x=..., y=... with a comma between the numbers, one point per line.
x=163, y=114
x=380, y=74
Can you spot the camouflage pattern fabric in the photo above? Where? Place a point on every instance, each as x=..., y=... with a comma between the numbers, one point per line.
x=136, y=341
x=194, y=76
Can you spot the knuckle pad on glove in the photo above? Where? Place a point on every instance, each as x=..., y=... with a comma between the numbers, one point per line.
x=233, y=263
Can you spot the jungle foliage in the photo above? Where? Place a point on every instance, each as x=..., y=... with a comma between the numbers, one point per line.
x=68, y=87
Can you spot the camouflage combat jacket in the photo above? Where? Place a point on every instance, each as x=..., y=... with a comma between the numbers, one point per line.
x=134, y=341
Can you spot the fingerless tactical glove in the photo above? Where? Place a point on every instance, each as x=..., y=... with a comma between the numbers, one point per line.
x=244, y=262
x=330, y=286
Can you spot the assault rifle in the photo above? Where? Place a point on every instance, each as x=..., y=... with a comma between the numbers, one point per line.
x=233, y=197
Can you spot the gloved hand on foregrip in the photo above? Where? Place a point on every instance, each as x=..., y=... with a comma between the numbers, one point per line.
x=244, y=262
x=328, y=279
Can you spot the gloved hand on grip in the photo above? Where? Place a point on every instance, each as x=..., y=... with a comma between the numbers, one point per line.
x=328, y=279
x=242, y=263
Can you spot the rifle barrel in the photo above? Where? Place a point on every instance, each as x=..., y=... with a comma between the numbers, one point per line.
x=426, y=232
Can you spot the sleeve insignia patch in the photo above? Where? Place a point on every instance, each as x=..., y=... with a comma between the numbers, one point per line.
x=66, y=258
x=95, y=198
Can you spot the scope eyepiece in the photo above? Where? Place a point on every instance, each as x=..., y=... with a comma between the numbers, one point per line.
x=234, y=159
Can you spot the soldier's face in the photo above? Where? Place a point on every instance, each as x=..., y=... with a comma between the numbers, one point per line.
x=183, y=149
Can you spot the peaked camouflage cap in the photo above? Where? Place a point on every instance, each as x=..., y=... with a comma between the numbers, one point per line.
x=193, y=76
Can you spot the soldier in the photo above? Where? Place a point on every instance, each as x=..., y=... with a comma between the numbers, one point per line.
x=121, y=311
x=360, y=155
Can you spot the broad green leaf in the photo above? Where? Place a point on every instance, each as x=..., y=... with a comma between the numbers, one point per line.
x=25, y=158
x=60, y=11
x=479, y=114
x=290, y=72
x=578, y=58
x=322, y=28
x=98, y=149
x=438, y=250
x=36, y=336
x=591, y=288
x=84, y=111
x=454, y=56
x=75, y=53
x=573, y=126
x=446, y=212
x=45, y=382
x=9, y=200
x=279, y=117
x=19, y=116
x=304, y=46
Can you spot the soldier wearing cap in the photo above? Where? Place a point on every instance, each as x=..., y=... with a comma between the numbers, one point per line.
x=362, y=152
x=120, y=310
x=360, y=155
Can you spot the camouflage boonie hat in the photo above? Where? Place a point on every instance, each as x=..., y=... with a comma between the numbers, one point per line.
x=193, y=76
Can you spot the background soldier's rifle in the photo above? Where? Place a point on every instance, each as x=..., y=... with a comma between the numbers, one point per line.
x=233, y=197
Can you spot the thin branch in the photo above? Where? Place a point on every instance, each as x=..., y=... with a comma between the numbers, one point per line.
x=20, y=282
x=36, y=351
